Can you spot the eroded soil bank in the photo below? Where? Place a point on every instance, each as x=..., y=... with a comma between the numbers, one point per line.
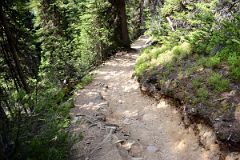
x=221, y=111
x=118, y=122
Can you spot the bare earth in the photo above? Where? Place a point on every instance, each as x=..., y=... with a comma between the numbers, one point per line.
x=119, y=123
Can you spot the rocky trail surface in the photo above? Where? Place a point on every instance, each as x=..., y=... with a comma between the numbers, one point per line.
x=118, y=122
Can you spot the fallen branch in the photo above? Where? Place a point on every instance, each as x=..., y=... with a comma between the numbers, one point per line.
x=170, y=23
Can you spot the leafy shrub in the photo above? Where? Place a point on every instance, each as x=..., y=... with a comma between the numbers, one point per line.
x=218, y=83
x=161, y=56
x=140, y=68
x=155, y=52
x=182, y=50
x=202, y=93
x=170, y=6
x=85, y=81
x=145, y=57
x=196, y=83
x=234, y=63
x=165, y=58
x=44, y=135
x=52, y=141
x=213, y=61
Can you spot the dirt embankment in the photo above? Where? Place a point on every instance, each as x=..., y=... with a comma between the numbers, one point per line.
x=220, y=111
x=117, y=122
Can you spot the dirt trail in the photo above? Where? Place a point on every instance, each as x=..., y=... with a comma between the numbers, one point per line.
x=119, y=123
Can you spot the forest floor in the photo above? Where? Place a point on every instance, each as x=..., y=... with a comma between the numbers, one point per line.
x=118, y=122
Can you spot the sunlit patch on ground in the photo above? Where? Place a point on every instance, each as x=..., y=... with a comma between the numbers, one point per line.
x=162, y=104
x=179, y=146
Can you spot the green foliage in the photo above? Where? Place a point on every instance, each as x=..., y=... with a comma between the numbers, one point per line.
x=136, y=18
x=234, y=63
x=155, y=52
x=199, y=33
x=52, y=140
x=202, y=93
x=45, y=132
x=182, y=50
x=218, y=83
x=213, y=61
x=80, y=37
x=140, y=68
x=201, y=42
x=85, y=81
x=196, y=83
x=170, y=6
x=53, y=45
x=165, y=58
x=163, y=55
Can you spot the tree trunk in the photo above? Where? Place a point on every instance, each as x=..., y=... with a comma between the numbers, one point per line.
x=13, y=51
x=3, y=133
x=141, y=17
x=124, y=26
x=120, y=7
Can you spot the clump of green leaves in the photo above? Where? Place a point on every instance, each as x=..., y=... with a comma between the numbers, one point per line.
x=202, y=93
x=165, y=58
x=196, y=83
x=155, y=52
x=140, y=68
x=218, y=83
x=85, y=81
x=234, y=63
x=182, y=50
x=163, y=55
x=210, y=62
x=45, y=133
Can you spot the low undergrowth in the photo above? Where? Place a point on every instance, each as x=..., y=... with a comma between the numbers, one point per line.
x=198, y=66
x=45, y=133
x=206, y=84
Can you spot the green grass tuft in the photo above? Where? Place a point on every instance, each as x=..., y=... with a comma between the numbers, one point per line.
x=234, y=63
x=196, y=83
x=218, y=83
x=140, y=68
x=85, y=81
x=182, y=50
x=202, y=93
x=210, y=62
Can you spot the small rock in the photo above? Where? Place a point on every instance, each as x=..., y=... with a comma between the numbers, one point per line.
x=136, y=150
x=120, y=53
x=128, y=144
x=133, y=158
x=152, y=149
x=101, y=117
x=126, y=121
x=144, y=88
x=120, y=101
x=119, y=141
x=112, y=127
x=123, y=153
x=75, y=120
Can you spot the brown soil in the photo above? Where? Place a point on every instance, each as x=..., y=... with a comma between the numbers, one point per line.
x=220, y=110
x=119, y=123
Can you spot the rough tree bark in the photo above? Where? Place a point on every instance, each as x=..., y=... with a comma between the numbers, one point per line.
x=13, y=51
x=141, y=16
x=120, y=8
x=3, y=133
